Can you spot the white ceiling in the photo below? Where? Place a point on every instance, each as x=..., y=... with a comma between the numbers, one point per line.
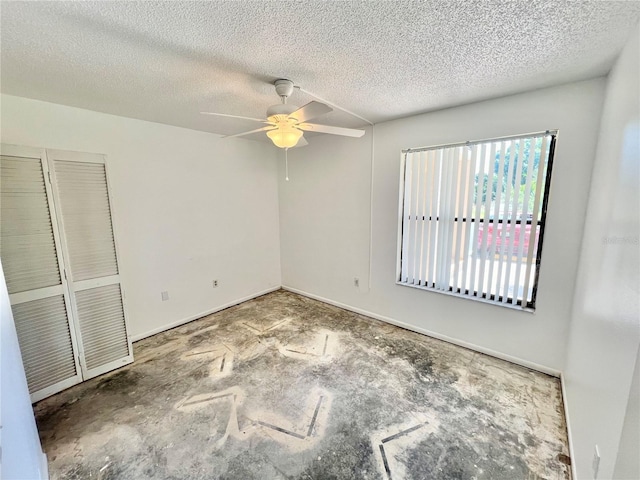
x=168, y=61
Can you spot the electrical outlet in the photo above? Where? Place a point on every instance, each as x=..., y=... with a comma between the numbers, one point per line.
x=356, y=282
x=164, y=296
x=595, y=464
x=215, y=283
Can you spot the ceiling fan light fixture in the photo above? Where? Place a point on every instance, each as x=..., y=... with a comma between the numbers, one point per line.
x=285, y=123
x=285, y=136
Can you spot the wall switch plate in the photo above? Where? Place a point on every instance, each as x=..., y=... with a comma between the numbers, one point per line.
x=165, y=296
x=595, y=464
x=215, y=283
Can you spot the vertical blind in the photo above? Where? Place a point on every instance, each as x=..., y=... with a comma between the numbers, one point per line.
x=472, y=217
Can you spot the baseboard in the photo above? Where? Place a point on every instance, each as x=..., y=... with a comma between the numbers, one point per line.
x=565, y=405
x=445, y=338
x=191, y=318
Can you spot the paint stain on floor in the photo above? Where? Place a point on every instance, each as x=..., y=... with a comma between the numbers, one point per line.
x=286, y=387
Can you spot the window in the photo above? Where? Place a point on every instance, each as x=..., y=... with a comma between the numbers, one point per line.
x=472, y=217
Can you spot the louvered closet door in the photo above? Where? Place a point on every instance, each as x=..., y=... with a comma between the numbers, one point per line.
x=82, y=203
x=34, y=274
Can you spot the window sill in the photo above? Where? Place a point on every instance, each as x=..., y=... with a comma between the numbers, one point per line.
x=518, y=308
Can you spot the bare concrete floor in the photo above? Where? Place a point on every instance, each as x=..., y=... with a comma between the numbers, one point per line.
x=285, y=387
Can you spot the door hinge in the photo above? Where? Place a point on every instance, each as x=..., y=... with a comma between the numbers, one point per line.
x=65, y=273
x=49, y=175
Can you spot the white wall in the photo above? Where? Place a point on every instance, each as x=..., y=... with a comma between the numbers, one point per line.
x=324, y=219
x=628, y=461
x=189, y=207
x=605, y=329
x=21, y=453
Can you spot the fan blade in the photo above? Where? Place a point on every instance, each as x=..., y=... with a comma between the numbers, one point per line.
x=302, y=142
x=268, y=127
x=315, y=127
x=310, y=110
x=234, y=116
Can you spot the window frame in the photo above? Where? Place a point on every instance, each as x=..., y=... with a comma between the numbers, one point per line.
x=485, y=297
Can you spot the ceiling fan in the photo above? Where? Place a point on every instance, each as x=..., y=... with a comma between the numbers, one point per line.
x=286, y=123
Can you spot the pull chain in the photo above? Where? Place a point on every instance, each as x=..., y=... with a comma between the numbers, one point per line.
x=286, y=164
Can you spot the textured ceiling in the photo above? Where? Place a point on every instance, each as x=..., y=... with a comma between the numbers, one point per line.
x=167, y=61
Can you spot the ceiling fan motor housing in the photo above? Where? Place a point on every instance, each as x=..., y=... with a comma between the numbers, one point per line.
x=284, y=88
x=280, y=112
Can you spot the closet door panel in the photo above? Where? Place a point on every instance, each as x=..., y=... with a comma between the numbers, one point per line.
x=102, y=325
x=32, y=263
x=27, y=244
x=82, y=201
x=45, y=342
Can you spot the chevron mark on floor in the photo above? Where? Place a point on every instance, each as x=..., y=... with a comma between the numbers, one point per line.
x=298, y=436
x=322, y=346
x=260, y=330
x=220, y=356
x=388, y=444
